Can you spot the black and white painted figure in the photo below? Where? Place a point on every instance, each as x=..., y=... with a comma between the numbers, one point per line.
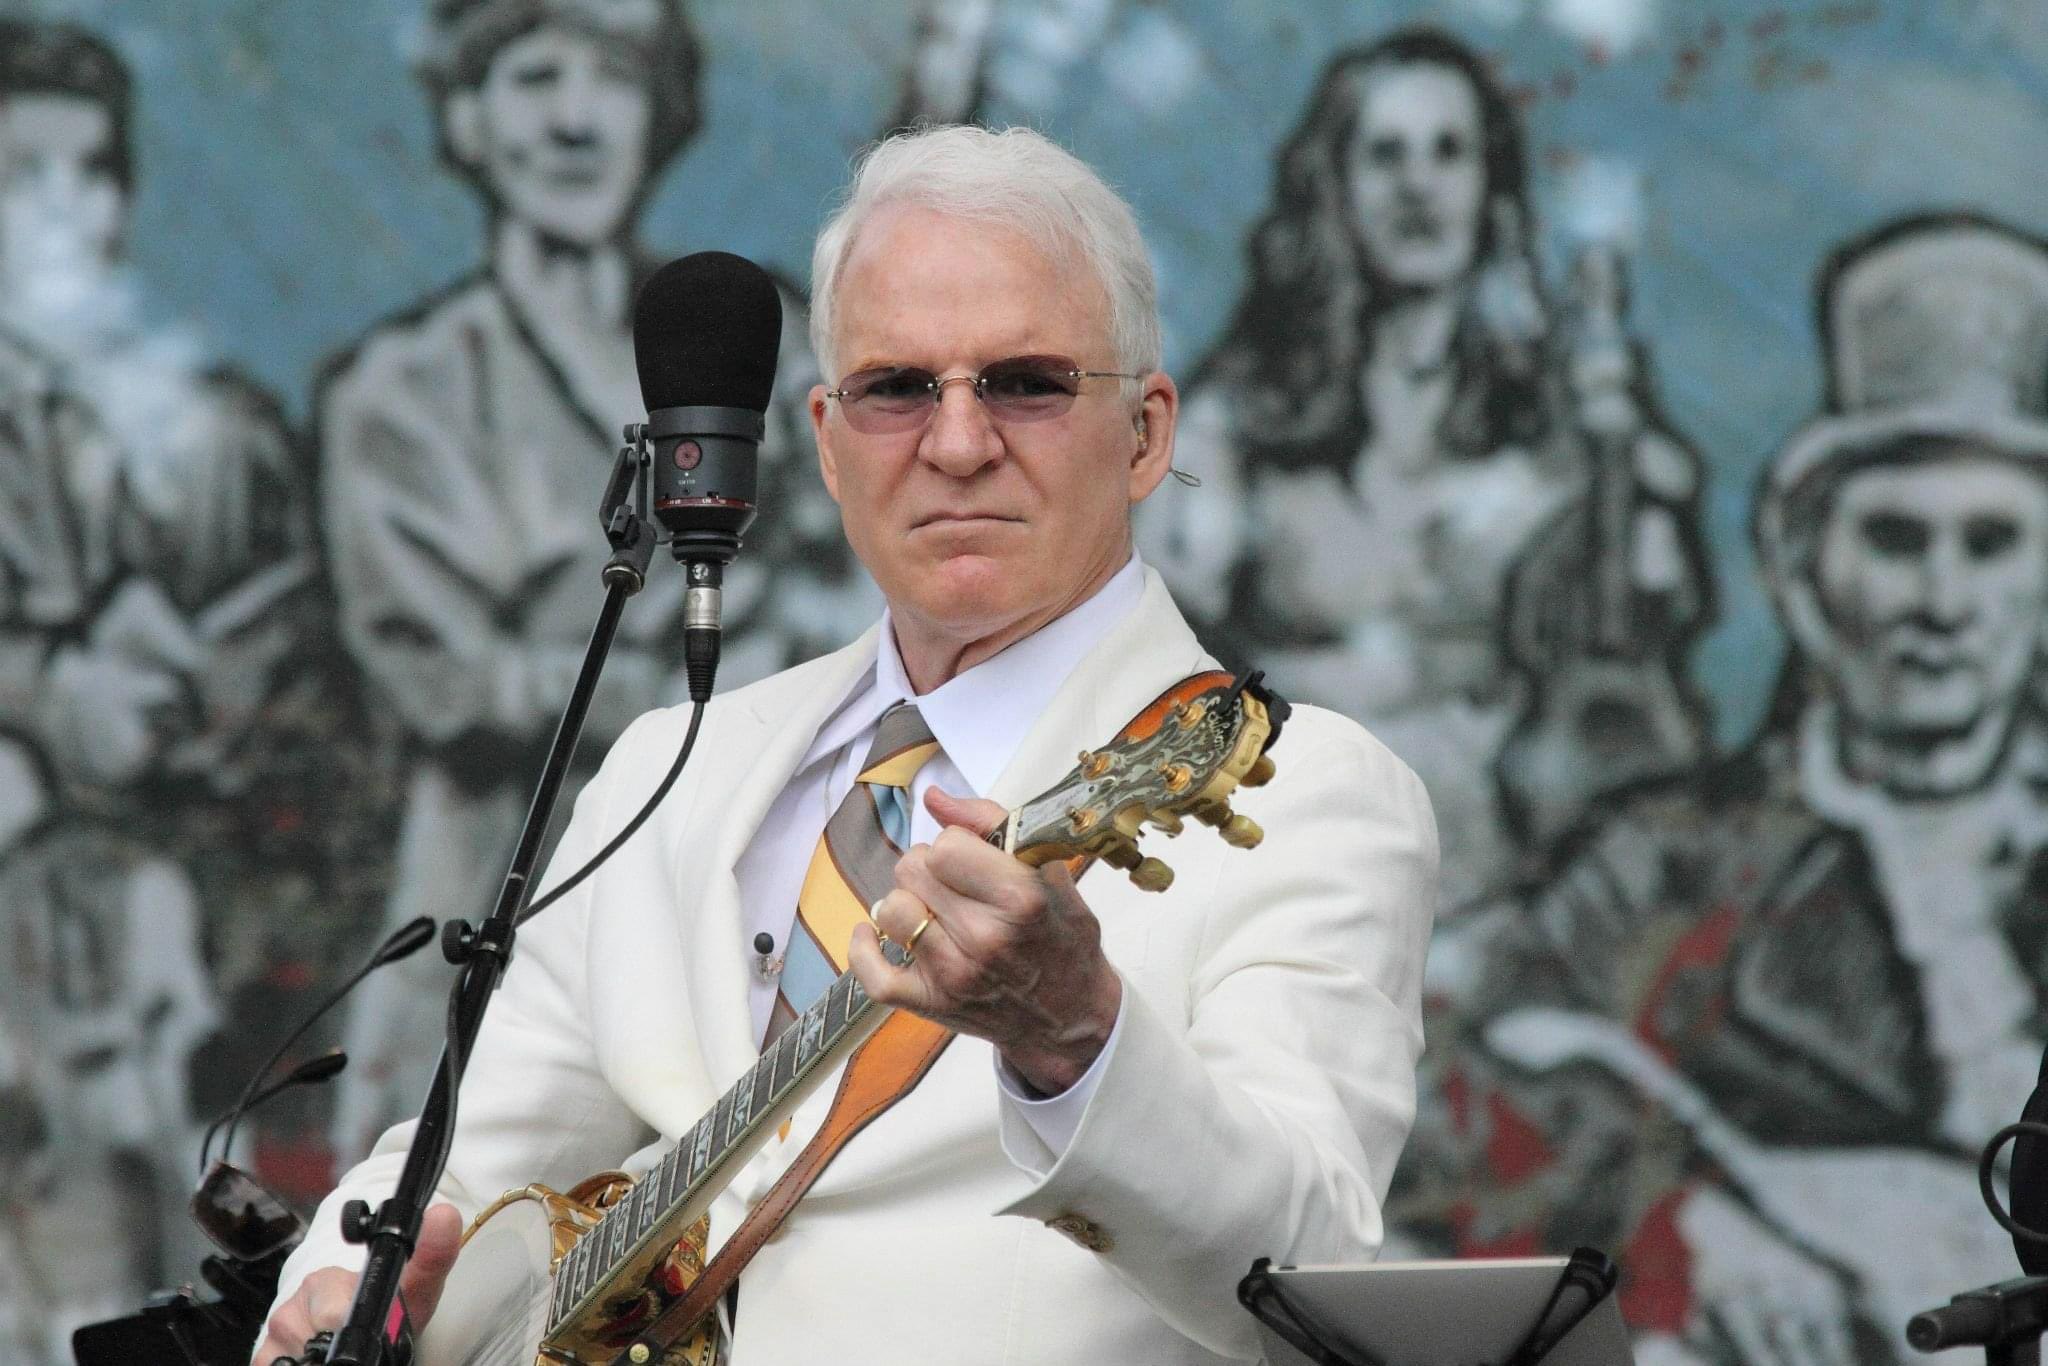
x=1389, y=423
x=1813, y=976
x=153, y=550
x=208, y=465
x=464, y=445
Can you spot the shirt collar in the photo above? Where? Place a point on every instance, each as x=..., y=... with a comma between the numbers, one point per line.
x=981, y=716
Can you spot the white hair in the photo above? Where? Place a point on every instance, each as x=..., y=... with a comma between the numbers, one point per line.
x=1014, y=178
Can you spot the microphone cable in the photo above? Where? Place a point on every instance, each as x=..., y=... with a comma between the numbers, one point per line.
x=675, y=771
x=1988, y=1163
x=457, y=1059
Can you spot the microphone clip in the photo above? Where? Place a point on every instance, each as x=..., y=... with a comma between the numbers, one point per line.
x=767, y=962
x=627, y=513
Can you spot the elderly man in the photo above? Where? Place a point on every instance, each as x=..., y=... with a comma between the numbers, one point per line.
x=1177, y=1085
x=463, y=445
x=1825, y=957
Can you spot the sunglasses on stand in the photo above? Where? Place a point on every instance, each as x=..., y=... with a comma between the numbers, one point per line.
x=241, y=1216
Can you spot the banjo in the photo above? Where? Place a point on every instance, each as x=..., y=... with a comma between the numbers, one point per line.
x=599, y=1274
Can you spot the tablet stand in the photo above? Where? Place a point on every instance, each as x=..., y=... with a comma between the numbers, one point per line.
x=1587, y=1279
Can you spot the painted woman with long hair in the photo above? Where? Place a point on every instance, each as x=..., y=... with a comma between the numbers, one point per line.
x=1388, y=423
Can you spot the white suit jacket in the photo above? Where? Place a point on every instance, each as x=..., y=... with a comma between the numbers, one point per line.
x=1260, y=1091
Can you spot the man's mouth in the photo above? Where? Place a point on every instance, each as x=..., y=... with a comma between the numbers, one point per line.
x=963, y=520
x=1418, y=227
x=1929, y=663
x=580, y=175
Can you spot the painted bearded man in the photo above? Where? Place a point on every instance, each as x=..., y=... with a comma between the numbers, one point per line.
x=1757, y=1031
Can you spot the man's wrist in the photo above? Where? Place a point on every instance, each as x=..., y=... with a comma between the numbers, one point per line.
x=1051, y=1065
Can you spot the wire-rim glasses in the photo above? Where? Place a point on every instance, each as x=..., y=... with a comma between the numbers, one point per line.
x=893, y=399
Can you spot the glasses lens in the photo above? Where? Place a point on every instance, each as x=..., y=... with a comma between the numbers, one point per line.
x=888, y=400
x=1029, y=388
x=241, y=1216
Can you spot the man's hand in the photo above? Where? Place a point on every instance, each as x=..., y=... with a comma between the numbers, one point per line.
x=108, y=705
x=1012, y=954
x=322, y=1300
x=1777, y=1305
x=103, y=718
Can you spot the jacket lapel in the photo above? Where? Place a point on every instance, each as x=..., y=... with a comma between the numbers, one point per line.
x=764, y=742
x=761, y=744
x=1142, y=656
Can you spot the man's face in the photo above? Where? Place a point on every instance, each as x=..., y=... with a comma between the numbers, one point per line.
x=1932, y=579
x=971, y=525
x=62, y=212
x=559, y=131
x=1417, y=176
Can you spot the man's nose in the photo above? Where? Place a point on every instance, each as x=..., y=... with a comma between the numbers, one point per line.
x=1947, y=595
x=960, y=439
x=571, y=116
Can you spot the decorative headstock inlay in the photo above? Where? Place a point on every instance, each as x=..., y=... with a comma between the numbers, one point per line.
x=1183, y=756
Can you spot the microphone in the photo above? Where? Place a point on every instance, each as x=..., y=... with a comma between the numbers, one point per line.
x=706, y=332
x=405, y=941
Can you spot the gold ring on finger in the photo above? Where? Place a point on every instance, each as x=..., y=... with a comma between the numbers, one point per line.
x=910, y=944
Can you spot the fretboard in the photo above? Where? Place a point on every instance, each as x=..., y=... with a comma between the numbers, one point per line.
x=670, y=1197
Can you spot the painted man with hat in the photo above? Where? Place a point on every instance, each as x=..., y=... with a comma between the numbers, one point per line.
x=1824, y=958
x=463, y=446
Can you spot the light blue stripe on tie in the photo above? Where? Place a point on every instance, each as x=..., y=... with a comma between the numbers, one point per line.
x=806, y=971
x=892, y=806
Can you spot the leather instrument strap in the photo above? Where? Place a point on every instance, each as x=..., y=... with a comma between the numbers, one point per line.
x=881, y=1072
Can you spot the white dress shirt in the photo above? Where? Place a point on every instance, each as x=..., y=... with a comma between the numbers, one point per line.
x=979, y=718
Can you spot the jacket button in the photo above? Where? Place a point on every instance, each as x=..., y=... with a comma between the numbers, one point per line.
x=1083, y=1231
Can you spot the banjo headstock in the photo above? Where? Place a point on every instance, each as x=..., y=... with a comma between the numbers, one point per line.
x=1182, y=756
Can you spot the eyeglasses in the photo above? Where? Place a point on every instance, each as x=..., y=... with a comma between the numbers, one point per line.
x=902, y=398
x=241, y=1215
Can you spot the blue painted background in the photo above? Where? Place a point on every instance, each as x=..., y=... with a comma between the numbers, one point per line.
x=289, y=196
x=289, y=192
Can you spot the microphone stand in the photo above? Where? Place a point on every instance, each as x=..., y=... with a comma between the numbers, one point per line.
x=2006, y=1320
x=393, y=1227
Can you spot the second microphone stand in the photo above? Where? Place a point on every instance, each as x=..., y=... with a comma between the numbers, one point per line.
x=392, y=1229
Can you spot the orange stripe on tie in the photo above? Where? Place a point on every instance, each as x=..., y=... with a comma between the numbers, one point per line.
x=899, y=768
x=828, y=906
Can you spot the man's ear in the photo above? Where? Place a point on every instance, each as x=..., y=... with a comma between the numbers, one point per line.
x=462, y=126
x=1806, y=620
x=1152, y=454
x=828, y=460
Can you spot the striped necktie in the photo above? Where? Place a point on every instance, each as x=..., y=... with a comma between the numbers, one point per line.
x=854, y=864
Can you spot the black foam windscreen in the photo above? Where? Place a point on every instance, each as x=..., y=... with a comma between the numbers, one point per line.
x=706, y=329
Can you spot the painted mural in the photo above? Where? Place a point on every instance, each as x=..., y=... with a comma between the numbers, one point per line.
x=1635, y=413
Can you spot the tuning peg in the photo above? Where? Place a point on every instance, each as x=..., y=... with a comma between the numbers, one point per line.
x=1239, y=832
x=1175, y=776
x=1151, y=875
x=1242, y=832
x=1165, y=822
x=1260, y=773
